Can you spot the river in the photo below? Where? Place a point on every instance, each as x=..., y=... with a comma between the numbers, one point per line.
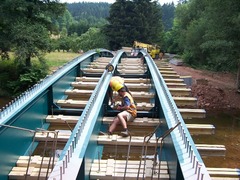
x=227, y=132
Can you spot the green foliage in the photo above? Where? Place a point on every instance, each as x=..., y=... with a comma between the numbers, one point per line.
x=30, y=40
x=15, y=78
x=24, y=26
x=91, y=12
x=30, y=77
x=78, y=27
x=168, y=16
x=79, y=17
x=134, y=20
x=92, y=39
x=207, y=34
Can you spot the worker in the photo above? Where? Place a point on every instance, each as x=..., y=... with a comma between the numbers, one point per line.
x=128, y=112
x=115, y=84
x=161, y=54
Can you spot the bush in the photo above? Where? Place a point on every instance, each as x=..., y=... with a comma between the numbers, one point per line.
x=16, y=78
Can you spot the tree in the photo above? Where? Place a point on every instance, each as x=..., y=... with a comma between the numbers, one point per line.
x=168, y=15
x=92, y=39
x=134, y=20
x=27, y=25
x=25, y=29
x=209, y=32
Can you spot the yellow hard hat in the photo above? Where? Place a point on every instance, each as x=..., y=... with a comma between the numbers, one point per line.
x=116, y=85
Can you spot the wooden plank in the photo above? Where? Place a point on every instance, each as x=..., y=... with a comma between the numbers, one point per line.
x=81, y=92
x=77, y=93
x=96, y=66
x=130, y=162
x=180, y=91
x=168, y=76
x=87, y=79
x=132, y=67
x=126, y=80
x=33, y=173
x=103, y=59
x=194, y=129
x=71, y=103
x=192, y=113
x=131, y=60
x=224, y=172
x=131, y=71
x=135, y=141
x=172, y=80
x=99, y=62
x=142, y=94
x=185, y=101
x=176, y=85
x=62, y=119
x=186, y=113
x=116, y=169
x=166, y=69
x=85, y=94
x=35, y=161
x=168, y=72
x=92, y=70
x=145, y=121
x=143, y=106
x=201, y=129
x=204, y=149
x=84, y=85
x=211, y=150
x=63, y=136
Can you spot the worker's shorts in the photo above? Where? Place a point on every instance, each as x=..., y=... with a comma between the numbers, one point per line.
x=129, y=116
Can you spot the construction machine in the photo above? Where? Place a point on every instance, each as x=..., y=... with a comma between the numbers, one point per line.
x=153, y=50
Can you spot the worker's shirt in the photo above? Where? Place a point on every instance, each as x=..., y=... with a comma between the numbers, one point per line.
x=128, y=101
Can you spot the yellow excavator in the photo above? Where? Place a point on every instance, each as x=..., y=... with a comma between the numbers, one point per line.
x=153, y=50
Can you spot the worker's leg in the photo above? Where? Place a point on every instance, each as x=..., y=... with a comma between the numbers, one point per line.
x=114, y=124
x=122, y=116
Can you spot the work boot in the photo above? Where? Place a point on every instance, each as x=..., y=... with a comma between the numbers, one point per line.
x=103, y=133
x=125, y=133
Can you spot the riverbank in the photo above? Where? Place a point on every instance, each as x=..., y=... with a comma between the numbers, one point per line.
x=214, y=90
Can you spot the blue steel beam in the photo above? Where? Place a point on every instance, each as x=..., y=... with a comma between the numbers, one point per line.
x=73, y=155
x=29, y=95
x=190, y=161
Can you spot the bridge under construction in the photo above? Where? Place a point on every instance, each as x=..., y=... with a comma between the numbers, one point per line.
x=51, y=131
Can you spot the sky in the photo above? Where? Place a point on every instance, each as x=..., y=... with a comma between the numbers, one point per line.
x=112, y=1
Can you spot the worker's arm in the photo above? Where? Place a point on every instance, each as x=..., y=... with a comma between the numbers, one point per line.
x=126, y=104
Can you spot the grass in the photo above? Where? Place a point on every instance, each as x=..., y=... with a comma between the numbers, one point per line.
x=56, y=59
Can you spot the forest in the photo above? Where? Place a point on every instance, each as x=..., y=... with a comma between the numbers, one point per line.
x=205, y=34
